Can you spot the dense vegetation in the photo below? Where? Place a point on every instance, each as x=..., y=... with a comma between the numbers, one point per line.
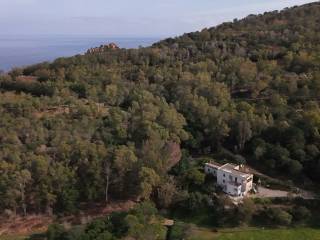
x=140, y=223
x=143, y=222
x=113, y=124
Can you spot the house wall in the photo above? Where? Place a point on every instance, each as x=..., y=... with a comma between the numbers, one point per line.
x=247, y=185
x=223, y=177
x=233, y=190
x=210, y=170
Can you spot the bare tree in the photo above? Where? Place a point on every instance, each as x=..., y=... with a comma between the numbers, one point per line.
x=23, y=178
x=107, y=172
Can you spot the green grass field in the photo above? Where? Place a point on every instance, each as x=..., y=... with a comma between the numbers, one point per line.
x=240, y=234
x=12, y=237
x=257, y=234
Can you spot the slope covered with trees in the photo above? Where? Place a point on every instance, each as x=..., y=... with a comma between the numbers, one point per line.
x=112, y=124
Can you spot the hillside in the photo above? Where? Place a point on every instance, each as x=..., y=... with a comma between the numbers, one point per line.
x=113, y=124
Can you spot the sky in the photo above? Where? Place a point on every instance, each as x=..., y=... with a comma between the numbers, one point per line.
x=125, y=18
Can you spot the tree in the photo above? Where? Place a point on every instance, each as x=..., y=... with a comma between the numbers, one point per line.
x=295, y=167
x=107, y=174
x=23, y=178
x=42, y=187
x=121, y=170
x=149, y=179
x=279, y=216
x=9, y=189
x=301, y=214
x=246, y=211
x=284, y=218
x=166, y=193
x=124, y=159
x=247, y=72
x=64, y=195
x=144, y=224
x=99, y=229
x=56, y=232
x=194, y=177
x=244, y=131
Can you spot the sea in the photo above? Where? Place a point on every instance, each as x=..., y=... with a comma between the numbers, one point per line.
x=19, y=51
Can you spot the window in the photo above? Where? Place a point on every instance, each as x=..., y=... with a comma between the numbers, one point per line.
x=223, y=181
x=230, y=177
x=224, y=175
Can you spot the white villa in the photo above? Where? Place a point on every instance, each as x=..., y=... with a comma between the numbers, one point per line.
x=230, y=177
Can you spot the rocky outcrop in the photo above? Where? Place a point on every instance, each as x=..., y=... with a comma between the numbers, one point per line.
x=175, y=154
x=102, y=48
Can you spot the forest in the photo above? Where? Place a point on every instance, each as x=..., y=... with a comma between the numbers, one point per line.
x=129, y=123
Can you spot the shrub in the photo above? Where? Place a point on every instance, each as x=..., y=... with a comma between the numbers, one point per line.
x=301, y=214
x=279, y=216
x=283, y=217
x=56, y=232
x=179, y=231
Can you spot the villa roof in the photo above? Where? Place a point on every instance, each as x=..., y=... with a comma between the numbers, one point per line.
x=214, y=165
x=229, y=167
x=233, y=169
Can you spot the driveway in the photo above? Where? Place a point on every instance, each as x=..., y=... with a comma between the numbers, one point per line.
x=271, y=193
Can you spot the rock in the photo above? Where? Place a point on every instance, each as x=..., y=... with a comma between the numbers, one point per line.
x=103, y=48
x=175, y=154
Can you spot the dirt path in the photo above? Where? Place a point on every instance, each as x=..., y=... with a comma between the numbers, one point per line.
x=39, y=223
